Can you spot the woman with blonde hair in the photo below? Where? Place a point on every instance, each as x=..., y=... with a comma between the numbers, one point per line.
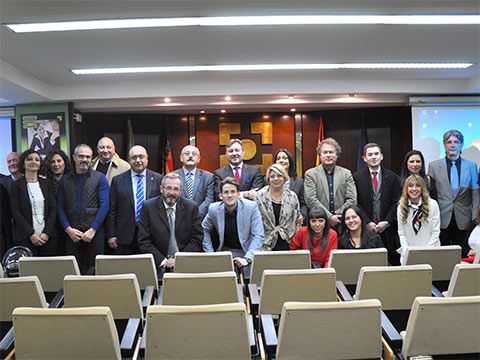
x=418, y=216
x=280, y=210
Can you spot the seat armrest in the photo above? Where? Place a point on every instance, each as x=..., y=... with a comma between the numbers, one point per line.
x=160, y=296
x=6, y=344
x=240, y=293
x=252, y=340
x=147, y=297
x=436, y=292
x=343, y=291
x=141, y=350
x=390, y=333
x=128, y=342
x=57, y=301
x=254, y=295
x=269, y=333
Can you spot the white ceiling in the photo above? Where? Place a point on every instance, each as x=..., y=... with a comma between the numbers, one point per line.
x=35, y=67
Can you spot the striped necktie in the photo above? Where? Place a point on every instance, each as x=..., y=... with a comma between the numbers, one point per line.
x=189, y=185
x=140, y=196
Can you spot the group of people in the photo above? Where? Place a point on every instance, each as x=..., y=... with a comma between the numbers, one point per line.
x=106, y=204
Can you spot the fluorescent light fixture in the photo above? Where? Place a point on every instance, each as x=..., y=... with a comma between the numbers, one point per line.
x=263, y=67
x=466, y=19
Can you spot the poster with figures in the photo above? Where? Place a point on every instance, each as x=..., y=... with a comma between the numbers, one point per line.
x=43, y=132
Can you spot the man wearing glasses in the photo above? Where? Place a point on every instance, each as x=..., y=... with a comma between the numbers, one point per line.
x=198, y=184
x=169, y=223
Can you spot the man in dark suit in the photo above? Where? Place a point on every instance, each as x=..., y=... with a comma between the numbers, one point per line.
x=12, y=163
x=127, y=193
x=6, y=228
x=378, y=191
x=248, y=176
x=458, y=192
x=169, y=223
x=198, y=184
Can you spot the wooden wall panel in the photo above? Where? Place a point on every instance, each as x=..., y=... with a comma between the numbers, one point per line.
x=207, y=141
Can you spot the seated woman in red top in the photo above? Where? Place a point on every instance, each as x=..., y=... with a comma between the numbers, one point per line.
x=317, y=237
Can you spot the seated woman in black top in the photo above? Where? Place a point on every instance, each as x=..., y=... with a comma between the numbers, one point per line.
x=355, y=234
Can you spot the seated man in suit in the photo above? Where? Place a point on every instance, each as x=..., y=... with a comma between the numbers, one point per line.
x=236, y=221
x=169, y=223
x=457, y=190
x=330, y=186
x=199, y=184
x=248, y=176
x=127, y=194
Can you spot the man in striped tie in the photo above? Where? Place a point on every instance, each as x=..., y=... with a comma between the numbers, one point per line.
x=199, y=184
x=127, y=195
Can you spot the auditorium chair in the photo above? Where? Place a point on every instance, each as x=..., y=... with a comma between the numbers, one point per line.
x=200, y=289
x=120, y=293
x=50, y=270
x=347, y=263
x=196, y=262
x=465, y=281
x=220, y=331
x=442, y=259
x=2, y=274
x=329, y=330
x=18, y=292
x=278, y=260
x=142, y=265
x=75, y=333
x=447, y=326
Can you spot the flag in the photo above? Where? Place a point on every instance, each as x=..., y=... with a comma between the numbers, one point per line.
x=168, y=160
x=321, y=137
x=363, y=141
x=130, y=138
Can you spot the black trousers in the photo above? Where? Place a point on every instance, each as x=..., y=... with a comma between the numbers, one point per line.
x=84, y=252
x=452, y=235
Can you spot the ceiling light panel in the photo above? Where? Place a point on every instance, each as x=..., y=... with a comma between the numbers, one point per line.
x=467, y=19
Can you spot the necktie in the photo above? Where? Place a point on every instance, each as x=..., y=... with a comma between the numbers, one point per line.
x=375, y=181
x=172, y=245
x=189, y=183
x=454, y=178
x=140, y=195
x=237, y=174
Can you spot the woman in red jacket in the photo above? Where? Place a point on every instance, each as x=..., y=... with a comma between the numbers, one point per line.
x=317, y=237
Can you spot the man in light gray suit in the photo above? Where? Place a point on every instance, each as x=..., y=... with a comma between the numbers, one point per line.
x=458, y=191
x=198, y=184
x=237, y=223
x=330, y=186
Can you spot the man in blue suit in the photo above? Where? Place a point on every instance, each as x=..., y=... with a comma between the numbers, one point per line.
x=236, y=221
x=127, y=194
x=458, y=192
x=198, y=184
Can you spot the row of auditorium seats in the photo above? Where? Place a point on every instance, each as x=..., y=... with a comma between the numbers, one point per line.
x=184, y=285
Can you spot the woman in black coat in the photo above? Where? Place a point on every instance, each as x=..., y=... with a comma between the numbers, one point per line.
x=33, y=206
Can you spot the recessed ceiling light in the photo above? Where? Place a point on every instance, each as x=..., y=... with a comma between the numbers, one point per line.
x=202, y=111
x=228, y=98
x=167, y=100
x=248, y=21
x=292, y=109
x=266, y=116
x=223, y=111
x=264, y=67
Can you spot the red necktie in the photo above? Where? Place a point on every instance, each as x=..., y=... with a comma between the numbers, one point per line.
x=375, y=180
x=237, y=174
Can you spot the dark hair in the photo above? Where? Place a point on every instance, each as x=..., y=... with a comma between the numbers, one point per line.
x=47, y=169
x=371, y=145
x=318, y=213
x=23, y=157
x=365, y=234
x=405, y=173
x=292, y=170
x=229, y=180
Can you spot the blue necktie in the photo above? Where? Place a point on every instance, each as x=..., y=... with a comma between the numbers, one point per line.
x=454, y=179
x=140, y=195
x=189, y=183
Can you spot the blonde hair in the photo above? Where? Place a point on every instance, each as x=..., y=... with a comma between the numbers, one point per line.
x=403, y=202
x=279, y=169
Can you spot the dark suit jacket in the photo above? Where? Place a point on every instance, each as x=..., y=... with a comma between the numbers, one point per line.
x=22, y=209
x=7, y=182
x=6, y=236
x=390, y=191
x=154, y=232
x=121, y=215
x=203, y=189
x=251, y=178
